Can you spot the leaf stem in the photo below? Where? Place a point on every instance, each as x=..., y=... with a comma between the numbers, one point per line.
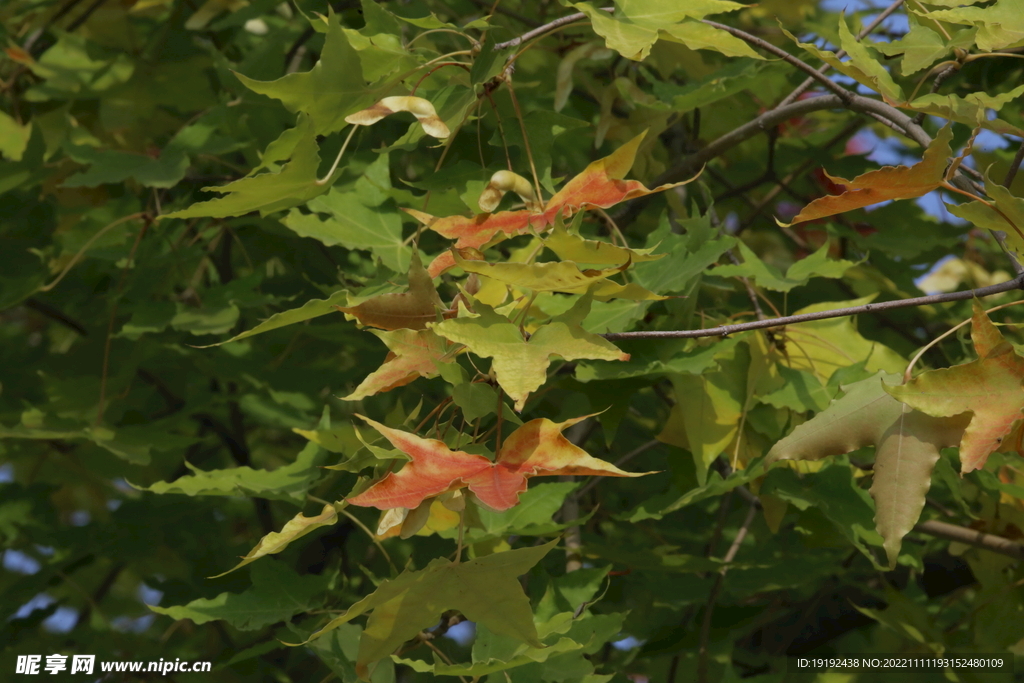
x=526, y=139
x=462, y=527
x=373, y=537
x=924, y=349
x=337, y=159
x=85, y=247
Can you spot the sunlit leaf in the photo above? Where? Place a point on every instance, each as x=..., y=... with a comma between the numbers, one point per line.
x=861, y=66
x=276, y=541
x=535, y=449
x=520, y=364
x=413, y=354
x=600, y=184
x=989, y=388
x=888, y=182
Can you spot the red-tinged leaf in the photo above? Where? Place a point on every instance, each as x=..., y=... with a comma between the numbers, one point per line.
x=600, y=185
x=414, y=354
x=434, y=468
x=535, y=449
x=412, y=309
x=16, y=54
x=989, y=388
x=883, y=184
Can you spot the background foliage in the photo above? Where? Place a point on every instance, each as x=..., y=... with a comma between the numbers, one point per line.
x=159, y=195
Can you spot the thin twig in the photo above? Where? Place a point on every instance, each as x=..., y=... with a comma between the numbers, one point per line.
x=726, y=330
x=373, y=537
x=1014, y=166
x=85, y=247
x=716, y=589
x=110, y=324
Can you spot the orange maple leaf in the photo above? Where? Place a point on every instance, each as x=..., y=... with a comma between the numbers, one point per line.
x=413, y=354
x=883, y=184
x=535, y=449
x=989, y=388
x=600, y=184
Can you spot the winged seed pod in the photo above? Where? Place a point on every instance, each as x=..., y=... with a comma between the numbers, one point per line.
x=507, y=181
x=422, y=109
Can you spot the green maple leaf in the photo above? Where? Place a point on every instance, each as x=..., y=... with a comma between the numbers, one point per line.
x=360, y=218
x=920, y=47
x=983, y=216
x=971, y=109
x=289, y=482
x=277, y=593
x=989, y=388
x=293, y=184
x=636, y=25
x=769, y=277
x=861, y=66
x=559, y=276
x=906, y=441
x=485, y=590
x=115, y=166
x=520, y=365
x=331, y=90
x=294, y=529
x=999, y=25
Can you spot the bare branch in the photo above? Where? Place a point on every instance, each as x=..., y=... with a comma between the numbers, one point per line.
x=978, y=539
x=1014, y=166
x=844, y=94
x=726, y=330
x=541, y=30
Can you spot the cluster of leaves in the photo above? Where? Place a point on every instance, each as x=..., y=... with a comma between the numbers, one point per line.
x=208, y=213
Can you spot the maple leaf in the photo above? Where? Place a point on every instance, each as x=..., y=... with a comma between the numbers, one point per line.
x=411, y=309
x=276, y=541
x=520, y=365
x=989, y=388
x=861, y=66
x=971, y=109
x=634, y=27
x=413, y=354
x=484, y=590
x=906, y=441
x=920, y=47
x=331, y=90
x=558, y=276
x=570, y=246
x=999, y=25
x=292, y=184
x=537, y=448
x=600, y=184
x=985, y=216
x=888, y=182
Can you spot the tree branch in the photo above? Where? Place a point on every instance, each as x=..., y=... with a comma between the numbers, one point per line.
x=541, y=30
x=726, y=330
x=844, y=94
x=978, y=539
